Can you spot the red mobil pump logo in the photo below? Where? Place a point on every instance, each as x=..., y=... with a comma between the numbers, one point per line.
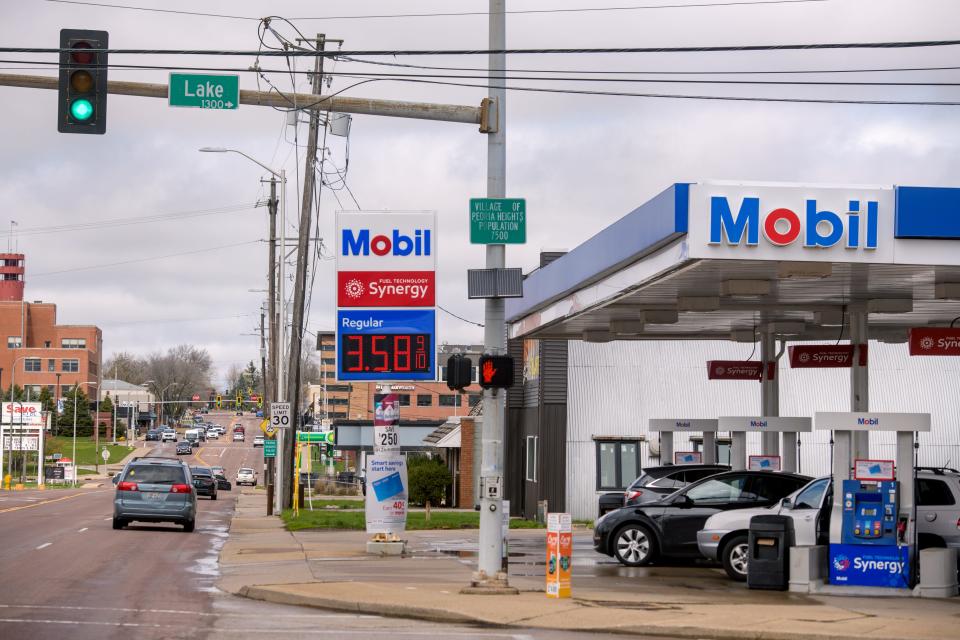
x=934, y=341
x=823, y=356
x=386, y=289
x=739, y=370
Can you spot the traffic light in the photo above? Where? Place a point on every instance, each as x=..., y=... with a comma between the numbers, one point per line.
x=83, y=81
x=459, y=372
x=496, y=372
x=219, y=401
x=239, y=400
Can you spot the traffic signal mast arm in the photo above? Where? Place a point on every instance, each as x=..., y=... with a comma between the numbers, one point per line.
x=481, y=115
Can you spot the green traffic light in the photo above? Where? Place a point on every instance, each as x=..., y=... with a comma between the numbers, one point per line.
x=81, y=110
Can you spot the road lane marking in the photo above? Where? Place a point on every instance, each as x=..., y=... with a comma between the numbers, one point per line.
x=82, y=530
x=182, y=611
x=44, y=545
x=37, y=504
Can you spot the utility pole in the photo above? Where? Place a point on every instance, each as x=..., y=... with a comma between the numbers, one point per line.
x=267, y=462
x=270, y=390
x=489, y=575
x=300, y=283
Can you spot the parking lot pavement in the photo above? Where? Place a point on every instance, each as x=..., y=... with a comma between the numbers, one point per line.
x=331, y=570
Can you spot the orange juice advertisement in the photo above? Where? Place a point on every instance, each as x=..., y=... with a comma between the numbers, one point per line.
x=559, y=554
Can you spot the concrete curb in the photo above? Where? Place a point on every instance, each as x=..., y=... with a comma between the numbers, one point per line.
x=276, y=595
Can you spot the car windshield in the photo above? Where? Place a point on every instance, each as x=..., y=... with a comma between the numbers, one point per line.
x=155, y=474
x=200, y=471
x=245, y=471
x=726, y=489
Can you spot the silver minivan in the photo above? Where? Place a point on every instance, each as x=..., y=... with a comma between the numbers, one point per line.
x=155, y=490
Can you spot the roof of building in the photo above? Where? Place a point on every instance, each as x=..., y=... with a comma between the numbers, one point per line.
x=121, y=385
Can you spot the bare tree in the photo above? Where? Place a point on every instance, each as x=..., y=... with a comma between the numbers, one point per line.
x=126, y=366
x=179, y=373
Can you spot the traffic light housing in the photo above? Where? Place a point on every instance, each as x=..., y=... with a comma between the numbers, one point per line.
x=219, y=401
x=82, y=106
x=496, y=372
x=459, y=372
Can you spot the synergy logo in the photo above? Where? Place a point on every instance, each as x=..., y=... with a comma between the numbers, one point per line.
x=841, y=563
x=358, y=242
x=353, y=289
x=893, y=567
x=782, y=226
x=927, y=343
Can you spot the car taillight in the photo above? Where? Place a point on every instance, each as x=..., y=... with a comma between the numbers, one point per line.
x=181, y=488
x=127, y=486
x=632, y=495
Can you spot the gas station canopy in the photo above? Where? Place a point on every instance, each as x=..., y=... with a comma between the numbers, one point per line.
x=723, y=260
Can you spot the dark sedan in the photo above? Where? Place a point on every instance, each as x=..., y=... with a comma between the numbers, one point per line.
x=204, y=482
x=184, y=448
x=153, y=434
x=656, y=483
x=638, y=535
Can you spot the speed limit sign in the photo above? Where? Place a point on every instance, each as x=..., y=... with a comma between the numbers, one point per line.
x=280, y=415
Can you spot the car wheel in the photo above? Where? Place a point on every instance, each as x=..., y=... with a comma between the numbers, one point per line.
x=189, y=526
x=734, y=557
x=634, y=546
x=213, y=497
x=119, y=523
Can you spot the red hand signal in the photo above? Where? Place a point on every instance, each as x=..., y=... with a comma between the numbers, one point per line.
x=488, y=372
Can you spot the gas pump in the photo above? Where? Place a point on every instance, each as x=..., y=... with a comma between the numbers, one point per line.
x=870, y=513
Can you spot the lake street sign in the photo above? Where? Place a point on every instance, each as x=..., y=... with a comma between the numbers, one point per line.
x=270, y=448
x=498, y=220
x=204, y=91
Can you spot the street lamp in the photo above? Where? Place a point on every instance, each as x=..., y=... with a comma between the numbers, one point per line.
x=76, y=394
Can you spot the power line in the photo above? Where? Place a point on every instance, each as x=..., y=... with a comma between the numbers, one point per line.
x=448, y=14
x=913, y=44
x=134, y=261
x=173, y=320
x=448, y=312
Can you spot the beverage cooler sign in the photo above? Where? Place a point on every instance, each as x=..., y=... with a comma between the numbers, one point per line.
x=386, y=502
x=386, y=420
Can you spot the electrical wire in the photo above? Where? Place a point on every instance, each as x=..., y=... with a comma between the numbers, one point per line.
x=172, y=320
x=448, y=312
x=199, y=14
x=148, y=259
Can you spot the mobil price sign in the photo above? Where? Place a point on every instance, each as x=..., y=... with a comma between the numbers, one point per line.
x=386, y=259
x=791, y=222
x=934, y=341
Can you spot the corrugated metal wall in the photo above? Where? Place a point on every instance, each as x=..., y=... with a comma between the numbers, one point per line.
x=615, y=388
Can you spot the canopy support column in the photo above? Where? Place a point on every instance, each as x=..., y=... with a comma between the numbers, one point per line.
x=859, y=382
x=769, y=390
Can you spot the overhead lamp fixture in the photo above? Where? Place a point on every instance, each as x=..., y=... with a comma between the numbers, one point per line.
x=624, y=327
x=745, y=288
x=890, y=305
x=786, y=327
x=596, y=335
x=743, y=335
x=698, y=303
x=947, y=291
x=828, y=318
x=804, y=270
x=659, y=316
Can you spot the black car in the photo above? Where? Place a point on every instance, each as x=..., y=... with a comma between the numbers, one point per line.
x=204, y=482
x=153, y=434
x=184, y=448
x=609, y=502
x=656, y=482
x=638, y=535
x=222, y=482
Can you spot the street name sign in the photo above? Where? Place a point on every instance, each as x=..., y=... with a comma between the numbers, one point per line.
x=498, y=220
x=270, y=448
x=204, y=91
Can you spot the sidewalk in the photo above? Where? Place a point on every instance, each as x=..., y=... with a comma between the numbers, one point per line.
x=330, y=570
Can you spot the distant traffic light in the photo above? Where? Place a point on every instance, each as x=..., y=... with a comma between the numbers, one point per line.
x=459, y=372
x=496, y=372
x=83, y=81
x=219, y=401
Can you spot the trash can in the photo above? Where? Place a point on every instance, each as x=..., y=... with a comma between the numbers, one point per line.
x=770, y=539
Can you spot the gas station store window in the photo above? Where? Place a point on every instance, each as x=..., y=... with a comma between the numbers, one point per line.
x=618, y=464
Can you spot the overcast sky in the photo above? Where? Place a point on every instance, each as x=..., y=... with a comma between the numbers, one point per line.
x=580, y=161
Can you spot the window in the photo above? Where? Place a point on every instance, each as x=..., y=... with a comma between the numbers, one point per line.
x=473, y=399
x=329, y=374
x=770, y=488
x=339, y=401
x=14, y=342
x=51, y=365
x=729, y=489
x=70, y=366
x=155, y=474
x=450, y=400
x=46, y=344
x=424, y=400
x=671, y=481
x=618, y=464
x=328, y=346
x=812, y=496
x=330, y=361
x=73, y=343
x=338, y=387
x=404, y=399
x=32, y=391
x=933, y=492
x=31, y=364
x=531, y=469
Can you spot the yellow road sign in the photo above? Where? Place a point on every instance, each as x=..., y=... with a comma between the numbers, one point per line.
x=268, y=429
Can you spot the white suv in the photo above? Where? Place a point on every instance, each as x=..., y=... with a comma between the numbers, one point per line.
x=168, y=435
x=247, y=476
x=724, y=535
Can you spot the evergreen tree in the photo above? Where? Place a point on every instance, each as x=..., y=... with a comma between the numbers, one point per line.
x=46, y=399
x=84, y=419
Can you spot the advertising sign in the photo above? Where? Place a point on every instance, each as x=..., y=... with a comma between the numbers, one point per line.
x=739, y=370
x=873, y=470
x=764, y=463
x=559, y=554
x=823, y=356
x=21, y=443
x=687, y=457
x=386, y=241
x=870, y=566
x=683, y=424
x=386, y=344
x=764, y=423
x=934, y=341
x=386, y=289
x=871, y=421
x=386, y=421
x=28, y=414
x=386, y=501
x=791, y=222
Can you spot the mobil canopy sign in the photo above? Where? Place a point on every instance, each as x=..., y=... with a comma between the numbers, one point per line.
x=782, y=222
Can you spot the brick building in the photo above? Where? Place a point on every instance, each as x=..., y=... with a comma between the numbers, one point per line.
x=34, y=349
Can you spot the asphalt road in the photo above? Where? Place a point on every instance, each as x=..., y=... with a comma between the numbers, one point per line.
x=65, y=573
